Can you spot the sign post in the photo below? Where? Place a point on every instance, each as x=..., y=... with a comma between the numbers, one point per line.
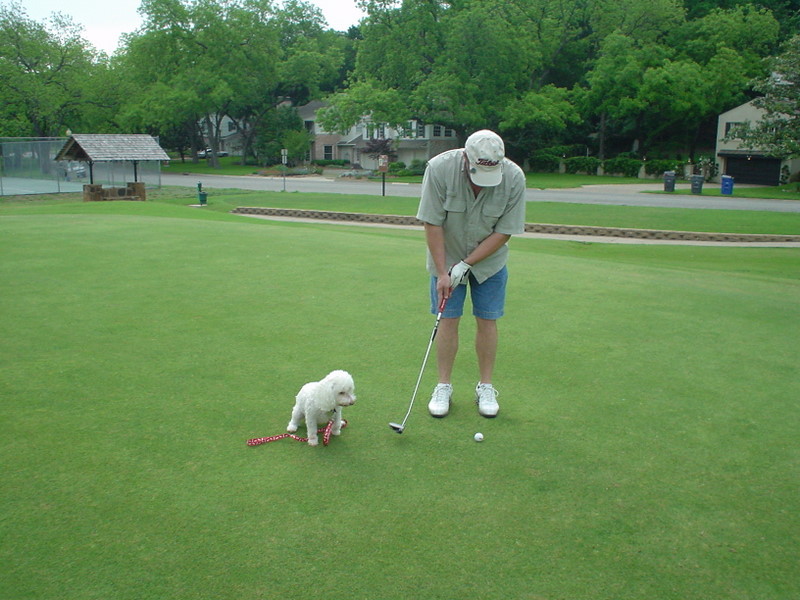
x=383, y=167
x=284, y=160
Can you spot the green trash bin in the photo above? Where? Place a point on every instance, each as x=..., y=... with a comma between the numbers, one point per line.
x=202, y=197
x=669, y=181
x=697, y=184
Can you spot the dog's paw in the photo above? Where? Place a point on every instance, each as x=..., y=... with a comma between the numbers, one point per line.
x=291, y=428
x=336, y=431
x=313, y=442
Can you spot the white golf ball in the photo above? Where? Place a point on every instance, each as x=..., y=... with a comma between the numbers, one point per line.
x=479, y=437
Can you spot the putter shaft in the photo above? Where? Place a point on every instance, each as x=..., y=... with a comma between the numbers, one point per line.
x=401, y=427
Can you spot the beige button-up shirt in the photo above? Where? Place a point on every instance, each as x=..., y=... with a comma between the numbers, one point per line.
x=448, y=201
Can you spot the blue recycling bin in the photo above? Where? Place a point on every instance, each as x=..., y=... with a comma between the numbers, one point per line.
x=727, y=185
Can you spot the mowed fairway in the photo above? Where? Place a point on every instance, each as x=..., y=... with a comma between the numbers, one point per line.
x=646, y=446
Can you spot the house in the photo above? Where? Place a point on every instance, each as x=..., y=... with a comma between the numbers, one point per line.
x=744, y=164
x=416, y=141
x=229, y=139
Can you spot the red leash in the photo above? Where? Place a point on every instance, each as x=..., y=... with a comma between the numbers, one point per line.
x=325, y=431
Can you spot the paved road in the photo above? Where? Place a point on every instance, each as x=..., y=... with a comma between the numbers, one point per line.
x=626, y=195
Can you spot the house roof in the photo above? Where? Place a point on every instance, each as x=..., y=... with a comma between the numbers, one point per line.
x=354, y=141
x=110, y=148
x=308, y=112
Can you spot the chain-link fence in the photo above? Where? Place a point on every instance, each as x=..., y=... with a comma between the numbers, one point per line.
x=28, y=166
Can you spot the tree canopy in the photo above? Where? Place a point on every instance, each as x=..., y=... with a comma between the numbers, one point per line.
x=609, y=75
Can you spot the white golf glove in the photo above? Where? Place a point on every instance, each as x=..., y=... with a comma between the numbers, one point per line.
x=459, y=274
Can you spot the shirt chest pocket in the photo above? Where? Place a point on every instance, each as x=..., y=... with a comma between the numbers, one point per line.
x=454, y=203
x=493, y=208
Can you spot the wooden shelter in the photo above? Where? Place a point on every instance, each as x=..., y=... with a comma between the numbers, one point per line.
x=94, y=148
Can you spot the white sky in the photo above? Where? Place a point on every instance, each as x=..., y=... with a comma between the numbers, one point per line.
x=104, y=21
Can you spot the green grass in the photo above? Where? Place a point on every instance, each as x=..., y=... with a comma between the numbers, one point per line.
x=229, y=165
x=646, y=446
x=221, y=202
x=550, y=181
x=780, y=192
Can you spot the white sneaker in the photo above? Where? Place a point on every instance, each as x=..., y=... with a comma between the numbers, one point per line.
x=439, y=405
x=486, y=399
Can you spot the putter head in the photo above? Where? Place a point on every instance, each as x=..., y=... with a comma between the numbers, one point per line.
x=397, y=427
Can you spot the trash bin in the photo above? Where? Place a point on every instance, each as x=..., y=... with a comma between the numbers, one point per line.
x=697, y=184
x=669, y=181
x=727, y=185
x=202, y=197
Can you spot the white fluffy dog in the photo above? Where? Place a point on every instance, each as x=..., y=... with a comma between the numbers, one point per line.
x=320, y=401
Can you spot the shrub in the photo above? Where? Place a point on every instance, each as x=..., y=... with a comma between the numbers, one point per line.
x=658, y=166
x=582, y=164
x=542, y=161
x=338, y=162
x=417, y=168
x=623, y=165
x=547, y=160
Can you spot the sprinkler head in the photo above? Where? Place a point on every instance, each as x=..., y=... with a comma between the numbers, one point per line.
x=397, y=427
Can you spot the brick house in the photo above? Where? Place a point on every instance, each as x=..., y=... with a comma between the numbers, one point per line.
x=416, y=141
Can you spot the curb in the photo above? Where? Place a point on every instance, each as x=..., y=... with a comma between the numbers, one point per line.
x=535, y=228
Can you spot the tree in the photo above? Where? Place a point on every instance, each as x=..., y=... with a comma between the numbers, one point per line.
x=45, y=69
x=367, y=97
x=376, y=147
x=272, y=134
x=786, y=12
x=664, y=90
x=778, y=133
x=239, y=59
x=297, y=144
x=749, y=31
x=613, y=84
x=537, y=119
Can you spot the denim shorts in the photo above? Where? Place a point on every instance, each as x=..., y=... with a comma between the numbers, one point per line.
x=488, y=298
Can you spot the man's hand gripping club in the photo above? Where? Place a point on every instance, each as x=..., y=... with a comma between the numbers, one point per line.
x=457, y=275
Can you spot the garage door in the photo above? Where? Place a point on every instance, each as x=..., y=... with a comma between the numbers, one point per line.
x=763, y=171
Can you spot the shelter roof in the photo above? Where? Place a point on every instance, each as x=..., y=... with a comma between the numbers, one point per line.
x=109, y=148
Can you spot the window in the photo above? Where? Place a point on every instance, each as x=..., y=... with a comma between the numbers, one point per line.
x=420, y=130
x=327, y=152
x=731, y=125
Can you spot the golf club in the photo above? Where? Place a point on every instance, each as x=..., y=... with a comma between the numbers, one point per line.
x=400, y=427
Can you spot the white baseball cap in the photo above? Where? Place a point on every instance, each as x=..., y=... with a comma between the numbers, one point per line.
x=485, y=152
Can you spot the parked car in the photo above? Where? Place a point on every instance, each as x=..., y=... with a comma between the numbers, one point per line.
x=75, y=171
x=207, y=152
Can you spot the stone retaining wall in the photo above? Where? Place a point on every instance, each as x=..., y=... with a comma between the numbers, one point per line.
x=131, y=191
x=648, y=234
